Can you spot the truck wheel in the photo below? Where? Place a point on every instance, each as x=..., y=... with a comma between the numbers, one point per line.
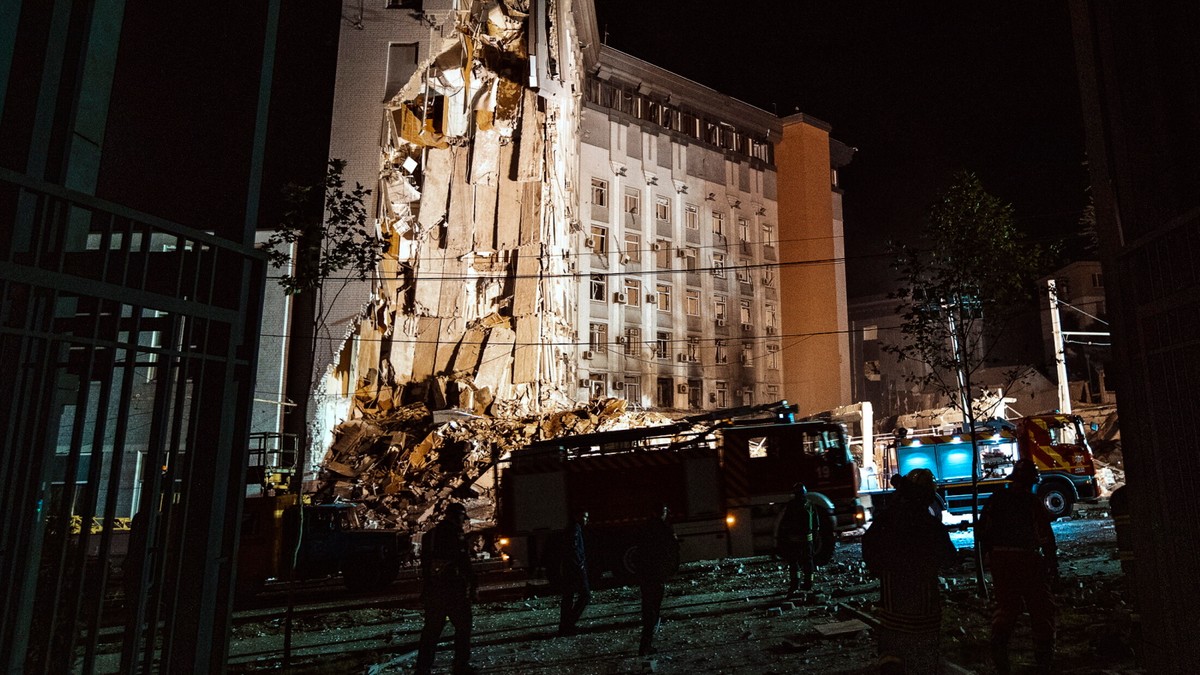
x=826, y=540
x=1058, y=500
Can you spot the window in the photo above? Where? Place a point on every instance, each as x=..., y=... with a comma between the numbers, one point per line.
x=743, y=272
x=662, y=209
x=768, y=278
x=745, y=313
x=722, y=351
x=401, y=64
x=599, y=290
x=692, y=302
x=599, y=192
x=691, y=217
x=773, y=392
x=598, y=337
x=718, y=263
x=662, y=254
x=664, y=297
x=773, y=357
x=747, y=354
x=768, y=233
x=633, y=388
x=597, y=385
x=744, y=230
x=633, y=202
x=772, y=319
x=718, y=224
x=633, y=247
x=633, y=292
x=662, y=345
x=719, y=307
x=1097, y=280
x=693, y=349
x=599, y=239
x=695, y=390
x=666, y=392
x=748, y=396
x=633, y=341
x=722, y=391
x=690, y=254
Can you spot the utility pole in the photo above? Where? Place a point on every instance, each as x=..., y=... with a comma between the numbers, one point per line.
x=1060, y=353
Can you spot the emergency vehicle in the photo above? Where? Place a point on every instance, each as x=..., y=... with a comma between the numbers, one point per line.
x=1056, y=443
x=724, y=475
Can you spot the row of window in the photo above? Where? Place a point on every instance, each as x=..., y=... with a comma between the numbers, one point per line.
x=690, y=255
x=629, y=387
x=663, y=296
x=711, y=132
x=632, y=345
x=691, y=213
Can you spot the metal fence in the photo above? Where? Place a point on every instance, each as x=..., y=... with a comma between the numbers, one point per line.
x=128, y=345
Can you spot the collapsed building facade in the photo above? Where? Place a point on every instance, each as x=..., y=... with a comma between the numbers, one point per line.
x=565, y=223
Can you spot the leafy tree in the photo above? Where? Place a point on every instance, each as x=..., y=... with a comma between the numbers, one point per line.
x=961, y=288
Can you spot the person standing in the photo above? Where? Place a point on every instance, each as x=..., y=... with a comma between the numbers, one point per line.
x=576, y=591
x=906, y=546
x=448, y=583
x=657, y=558
x=797, y=531
x=1019, y=546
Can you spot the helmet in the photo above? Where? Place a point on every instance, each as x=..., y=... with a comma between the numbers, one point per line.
x=1024, y=472
x=456, y=509
x=920, y=479
x=799, y=490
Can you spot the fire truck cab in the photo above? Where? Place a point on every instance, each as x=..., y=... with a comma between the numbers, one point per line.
x=724, y=479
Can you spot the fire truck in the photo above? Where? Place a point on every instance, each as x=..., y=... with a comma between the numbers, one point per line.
x=724, y=475
x=1056, y=443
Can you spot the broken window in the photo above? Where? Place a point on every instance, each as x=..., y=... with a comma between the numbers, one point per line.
x=662, y=345
x=722, y=394
x=599, y=240
x=747, y=354
x=633, y=341
x=722, y=351
x=666, y=392
x=719, y=308
x=401, y=64
x=633, y=247
x=664, y=297
x=597, y=385
x=599, y=288
x=769, y=310
x=695, y=389
x=599, y=192
x=745, y=312
x=718, y=224
x=691, y=217
x=718, y=264
x=693, y=349
x=662, y=209
x=662, y=254
x=744, y=231
x=773, y=357
x=768, y=233
x=633, y=388
x=692, y=302
x=598, y=337
x=690, y=254
x=633, y=201
x=633, y=292
x=743, y=272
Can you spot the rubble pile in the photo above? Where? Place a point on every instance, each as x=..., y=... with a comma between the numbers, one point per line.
x=403, y=464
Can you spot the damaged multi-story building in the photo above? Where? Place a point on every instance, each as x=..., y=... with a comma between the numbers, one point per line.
x=566, y=222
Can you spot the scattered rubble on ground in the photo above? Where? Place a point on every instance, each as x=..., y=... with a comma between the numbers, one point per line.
x=401, y=465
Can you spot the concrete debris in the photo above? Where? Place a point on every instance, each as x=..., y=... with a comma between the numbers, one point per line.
x=401, y=464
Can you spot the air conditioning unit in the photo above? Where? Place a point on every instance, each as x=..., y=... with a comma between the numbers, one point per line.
x=624, y=260
x=712, y=397
x=720, y=321
x=651, y=299
x=621, y=339
x=682, y=253
x=770, y=330
x=589, y=242
x=618, y=385
x=656, y=246
x=587, y=355
x=620, y=298
x=682, y=388
x=683, y=358
x=747, y=327
x=585, y=383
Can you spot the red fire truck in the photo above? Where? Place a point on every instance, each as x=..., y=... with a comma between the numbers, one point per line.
x=725, y=476
x=1056, y=444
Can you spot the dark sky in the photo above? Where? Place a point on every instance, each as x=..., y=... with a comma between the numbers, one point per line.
x=921, y=89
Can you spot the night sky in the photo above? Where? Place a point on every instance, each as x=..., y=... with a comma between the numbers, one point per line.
x=921, y=89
